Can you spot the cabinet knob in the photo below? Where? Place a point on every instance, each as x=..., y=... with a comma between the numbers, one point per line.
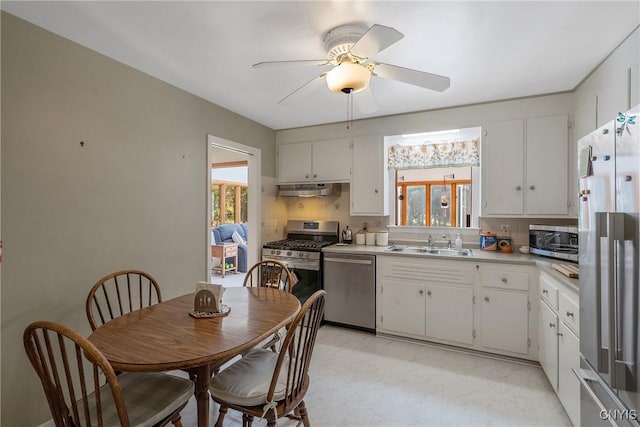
x=429, y=293
x=306, y=176
x=486, y=299
x=569, y=314
x=560, y=334
x=519, y=187
x=532, y=187
x=421, y=292
x=544, y=291
x=552, y=325
x=375, y=191
x=315, y=176
x=504, y=280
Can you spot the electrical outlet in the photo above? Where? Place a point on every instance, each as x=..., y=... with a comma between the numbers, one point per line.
x=364, y=225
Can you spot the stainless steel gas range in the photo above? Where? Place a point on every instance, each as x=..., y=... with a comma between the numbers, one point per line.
x=301, y=252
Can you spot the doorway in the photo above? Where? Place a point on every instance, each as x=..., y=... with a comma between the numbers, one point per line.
x=220, y=150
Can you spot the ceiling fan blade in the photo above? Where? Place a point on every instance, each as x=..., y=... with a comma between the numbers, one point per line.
x=412, y=77
x=318, y=62
x=306, y=88
x=366, y=102
x=376, y=39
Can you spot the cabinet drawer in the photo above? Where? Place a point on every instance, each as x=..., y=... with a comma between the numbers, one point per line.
x=548, y=291
x=230, y=252
x=569, y=312
x=504, y=279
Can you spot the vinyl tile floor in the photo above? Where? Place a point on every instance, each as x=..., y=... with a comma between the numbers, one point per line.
x=358, y=379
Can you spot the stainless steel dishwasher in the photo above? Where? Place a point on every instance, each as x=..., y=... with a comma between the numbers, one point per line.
x=350, y=282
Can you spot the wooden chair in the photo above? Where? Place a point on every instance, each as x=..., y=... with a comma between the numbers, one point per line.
x=119, y=293
x=82, y=388
x=272, y=274
x=269, y=273
x=272, y=385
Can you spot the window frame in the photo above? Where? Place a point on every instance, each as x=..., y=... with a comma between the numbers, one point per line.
x=451, y=183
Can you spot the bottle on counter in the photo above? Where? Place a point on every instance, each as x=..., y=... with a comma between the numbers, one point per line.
x=458, y=242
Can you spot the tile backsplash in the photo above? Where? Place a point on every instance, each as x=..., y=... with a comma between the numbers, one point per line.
x=277, y=210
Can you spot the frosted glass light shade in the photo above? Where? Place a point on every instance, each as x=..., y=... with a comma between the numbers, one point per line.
x=348, y=78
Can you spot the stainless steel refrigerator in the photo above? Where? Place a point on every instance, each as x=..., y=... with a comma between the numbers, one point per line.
x=609, y=239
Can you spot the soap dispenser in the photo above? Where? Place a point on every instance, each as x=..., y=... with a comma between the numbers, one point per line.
x=458, y=242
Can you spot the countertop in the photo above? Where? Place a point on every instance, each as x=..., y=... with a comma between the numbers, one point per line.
x=478, y=255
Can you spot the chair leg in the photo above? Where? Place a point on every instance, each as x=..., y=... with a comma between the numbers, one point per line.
x=221, y=413
x=177, y=421
x=247, y=420
x=302, y=411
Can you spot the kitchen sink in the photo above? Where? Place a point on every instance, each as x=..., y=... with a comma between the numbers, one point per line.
x=426, y=250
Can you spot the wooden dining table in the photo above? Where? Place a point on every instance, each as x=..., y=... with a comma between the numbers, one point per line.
x=165, y=337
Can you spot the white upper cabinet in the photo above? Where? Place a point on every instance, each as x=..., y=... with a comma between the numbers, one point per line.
x=315, y=161
x=547, y=167
x=525, y=167
x=369, y=184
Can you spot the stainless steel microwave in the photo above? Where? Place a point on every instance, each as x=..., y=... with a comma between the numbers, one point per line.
x=554, y=241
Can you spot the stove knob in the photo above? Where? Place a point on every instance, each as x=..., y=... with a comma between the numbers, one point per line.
x=301, y=254
x=273, y=252
x=289, y=253
x=308, y=254
x=277, y=252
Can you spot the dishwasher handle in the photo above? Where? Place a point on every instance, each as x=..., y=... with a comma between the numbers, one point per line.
x=349, y=261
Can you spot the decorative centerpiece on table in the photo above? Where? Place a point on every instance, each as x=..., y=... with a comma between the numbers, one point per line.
x=208, y=301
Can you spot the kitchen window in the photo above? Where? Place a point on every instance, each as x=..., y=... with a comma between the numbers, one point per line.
x=439, y=197
x=435, y=175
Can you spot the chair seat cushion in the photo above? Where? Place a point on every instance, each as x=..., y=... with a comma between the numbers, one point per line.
x=149, y=398
x=247, y=381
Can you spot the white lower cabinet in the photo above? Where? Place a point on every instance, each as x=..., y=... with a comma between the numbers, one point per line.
x=505, y=321
x=402, y=307
x=478, y=306
x=449, y=314
x=425, y=300
x=559, y=342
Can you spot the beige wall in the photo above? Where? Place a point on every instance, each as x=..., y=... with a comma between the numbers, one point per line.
x=133, y=196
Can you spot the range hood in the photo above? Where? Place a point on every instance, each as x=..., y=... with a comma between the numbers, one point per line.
x=306, y=190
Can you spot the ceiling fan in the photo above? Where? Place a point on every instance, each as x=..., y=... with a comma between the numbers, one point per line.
x=349, y=52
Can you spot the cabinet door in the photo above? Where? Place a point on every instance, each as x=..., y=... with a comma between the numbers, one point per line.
x=369, y=186
x=568, y=384
x=502, y=165
x=449, y=313
x=331, y=160
x=547, y=165
x=548, y=336
x=403, y=307
x=294, y=162
x=505, y=321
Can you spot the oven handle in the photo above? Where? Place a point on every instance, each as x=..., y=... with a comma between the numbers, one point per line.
x=349, y=260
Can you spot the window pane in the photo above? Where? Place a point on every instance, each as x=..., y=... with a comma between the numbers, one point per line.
x=215, y=205
x=416, y=205
x=463, y=208
x=244, y=204
x=230, y=204
x=440, y=215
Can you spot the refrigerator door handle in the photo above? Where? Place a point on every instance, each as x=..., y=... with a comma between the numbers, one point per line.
x=624, y=373
x=601, y=229
x=585, y=378
x=611, y=291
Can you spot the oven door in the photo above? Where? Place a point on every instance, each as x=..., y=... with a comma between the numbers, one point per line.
x=306, y=275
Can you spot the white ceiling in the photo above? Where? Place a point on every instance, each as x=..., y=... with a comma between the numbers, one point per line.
x=491, y=50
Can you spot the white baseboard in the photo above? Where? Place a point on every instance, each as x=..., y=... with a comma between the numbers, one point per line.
x=49, y=423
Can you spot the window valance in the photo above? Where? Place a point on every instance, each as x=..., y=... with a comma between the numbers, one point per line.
x=434, y=155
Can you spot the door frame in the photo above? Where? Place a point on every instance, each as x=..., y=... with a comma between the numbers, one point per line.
x=254, y=199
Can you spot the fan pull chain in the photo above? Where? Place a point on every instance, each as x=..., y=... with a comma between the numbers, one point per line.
x=349, y=109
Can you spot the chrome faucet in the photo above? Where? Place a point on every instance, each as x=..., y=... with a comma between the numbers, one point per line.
x=448, y=240
x=430, y=241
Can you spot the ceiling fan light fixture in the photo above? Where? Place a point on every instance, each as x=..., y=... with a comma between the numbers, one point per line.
x=348, y=77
